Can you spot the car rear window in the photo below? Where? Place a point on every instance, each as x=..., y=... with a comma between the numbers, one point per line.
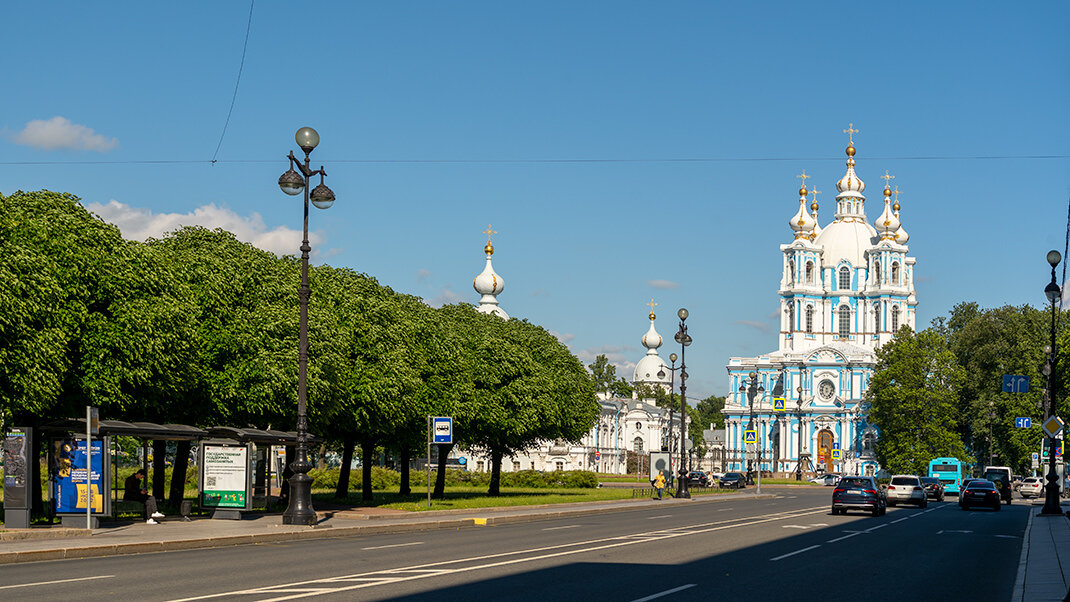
x=904, y=481
x=849, y=482
x=981, y=484
x=928, y=480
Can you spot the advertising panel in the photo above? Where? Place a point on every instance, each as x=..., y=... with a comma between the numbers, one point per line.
x=17, y=468
x=69, y=493
x=225, y=476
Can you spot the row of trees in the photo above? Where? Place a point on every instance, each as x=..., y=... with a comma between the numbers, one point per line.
x=938, y=392
x=200, y=328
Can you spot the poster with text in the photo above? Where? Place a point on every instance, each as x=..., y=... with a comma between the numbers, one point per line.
x=69, y=491
x=226, y=476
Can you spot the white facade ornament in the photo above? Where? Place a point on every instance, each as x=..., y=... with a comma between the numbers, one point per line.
x=488, y=283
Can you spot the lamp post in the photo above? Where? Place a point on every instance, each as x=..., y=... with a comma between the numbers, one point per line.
x=299, y=510
x=751, y=388
x=798, y=416
x=1051, y=492
x=672, y=389
x=685, y=340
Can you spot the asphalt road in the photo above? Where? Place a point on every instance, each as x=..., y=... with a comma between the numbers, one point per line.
x=787, y=548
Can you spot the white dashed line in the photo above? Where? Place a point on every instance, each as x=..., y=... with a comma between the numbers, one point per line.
x=666, y=592
x=395, y=545
x=794, y=553
x=565, y=527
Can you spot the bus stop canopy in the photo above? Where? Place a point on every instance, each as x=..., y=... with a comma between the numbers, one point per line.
x=147, y=430
x=251, y=435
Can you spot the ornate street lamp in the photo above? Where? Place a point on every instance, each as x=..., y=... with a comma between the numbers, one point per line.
x=751, y=388
x=672, y=399
x=1051, y=492
x=299, y=510
x=798, y=416
x=685, y=341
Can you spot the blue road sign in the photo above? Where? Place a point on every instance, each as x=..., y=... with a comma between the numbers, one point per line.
x=462, y=460
x=835, y=454
x=1015, y=383
x=778, y=405
x=1023, y=422
x=442, y=429
x=750, y=436
x=835, y=445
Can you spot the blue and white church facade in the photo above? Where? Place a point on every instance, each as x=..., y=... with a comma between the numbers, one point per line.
x=846, y=288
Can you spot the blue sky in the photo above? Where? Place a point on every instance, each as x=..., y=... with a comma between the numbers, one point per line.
x=622, y=150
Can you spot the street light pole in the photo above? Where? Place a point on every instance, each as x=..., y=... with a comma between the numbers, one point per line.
x=751, y=388
x=299, y=509
x=1051, y=492
x=672, y=399
x=798, y=416
x=685, y=340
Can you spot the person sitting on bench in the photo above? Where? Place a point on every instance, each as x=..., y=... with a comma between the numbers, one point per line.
x=134, y=493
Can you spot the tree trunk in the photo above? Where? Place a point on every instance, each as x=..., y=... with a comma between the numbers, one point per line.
x=37, y=503
x=440, y=479
x=495, y=472
x=342, y=490
x=367, y=451
x=178, y=475
x=159, y=468
x=321, y=462
x=406, y=455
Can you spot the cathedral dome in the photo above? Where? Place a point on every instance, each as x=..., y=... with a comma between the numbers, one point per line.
x=846, y=240
x=647, y=370
x=488, y=284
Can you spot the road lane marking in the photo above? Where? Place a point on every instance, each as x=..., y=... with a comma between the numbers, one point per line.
x=1007, y=536
x=394, y=545
x=396, y=575
x=564, y=527
x=56, y=581
x=899, y=520
x=853, y=533
x=795, y=552
x=662, y=516
x=942, y=531
x=723, y=509
x=881, y=526
x=666, y=592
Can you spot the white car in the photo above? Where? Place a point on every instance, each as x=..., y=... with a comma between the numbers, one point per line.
x=1032, y=487
x=907, y=489
x=828, y=479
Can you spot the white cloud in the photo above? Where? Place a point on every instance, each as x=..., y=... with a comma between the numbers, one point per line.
x=142, y=224
x=59, y=132
x=445, y=297
x=565, y=338
x=422, y=274
x=617, y=355
x=761, y=326
x=663, y=284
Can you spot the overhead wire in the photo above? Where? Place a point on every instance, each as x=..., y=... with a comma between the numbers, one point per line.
x=241, y=66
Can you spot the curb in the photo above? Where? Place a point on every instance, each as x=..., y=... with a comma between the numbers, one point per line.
x=322, y=532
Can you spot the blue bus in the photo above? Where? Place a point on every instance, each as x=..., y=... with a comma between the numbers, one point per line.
x=949, y=472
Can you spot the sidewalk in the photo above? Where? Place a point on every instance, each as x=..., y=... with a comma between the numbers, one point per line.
x=30, y=545
x=1044, y=565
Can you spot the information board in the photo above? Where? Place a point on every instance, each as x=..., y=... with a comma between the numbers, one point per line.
x=16, y=468
x=69, y=493
x=225, y=476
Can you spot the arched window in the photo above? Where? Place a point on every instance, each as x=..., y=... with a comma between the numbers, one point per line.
x=876, y=272
x=810, y=319
x=895, y=272
x=845, y=321
x=876, y=319
x=895, y=318
x=809, y=272
x=791, y=317
x=845, y=278
x=791, y=271
x=638, y=443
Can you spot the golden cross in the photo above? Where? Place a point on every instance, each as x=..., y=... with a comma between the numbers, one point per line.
x=651, y=304
x=488, y=232
x=815, y=192
x=803, y=176
x=896, y=193
x=851, y=131
x=887, y=177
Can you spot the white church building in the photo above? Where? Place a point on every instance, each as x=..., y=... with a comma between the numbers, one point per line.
x=846, y=288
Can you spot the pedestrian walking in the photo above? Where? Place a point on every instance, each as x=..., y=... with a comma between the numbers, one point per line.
x=659, y=484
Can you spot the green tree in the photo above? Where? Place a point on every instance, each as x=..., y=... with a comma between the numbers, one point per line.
x=704, y=414
x=604, y=374
x=914, y=401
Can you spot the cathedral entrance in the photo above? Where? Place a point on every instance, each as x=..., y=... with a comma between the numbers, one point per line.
x=824, y=449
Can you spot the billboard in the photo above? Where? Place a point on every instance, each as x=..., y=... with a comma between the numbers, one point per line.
x=17, y=447
x=660, y=462
x=225, y=476
x=68, y=476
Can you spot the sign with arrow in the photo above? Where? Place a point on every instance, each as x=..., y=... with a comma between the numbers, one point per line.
x=1015, y=383
x=1023, y=422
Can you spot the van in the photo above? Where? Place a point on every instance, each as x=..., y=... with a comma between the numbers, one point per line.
x=1001, y=476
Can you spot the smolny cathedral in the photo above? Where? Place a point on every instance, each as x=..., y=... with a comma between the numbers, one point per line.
x=846, y=288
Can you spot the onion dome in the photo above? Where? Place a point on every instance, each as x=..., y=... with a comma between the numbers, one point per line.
x=887, y=223
x=802, y=223
x=901, y=235
x=488, y=283
x=850, y=185
x=652, y=369
x=813, y=214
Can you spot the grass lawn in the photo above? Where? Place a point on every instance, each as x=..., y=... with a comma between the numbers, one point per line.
x=462, y=497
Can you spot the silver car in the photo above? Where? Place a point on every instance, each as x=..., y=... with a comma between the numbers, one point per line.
x=907, y=489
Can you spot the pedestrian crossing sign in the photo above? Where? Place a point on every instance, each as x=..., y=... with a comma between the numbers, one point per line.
x=750, y=436
x=778, y=405
x=835, y=454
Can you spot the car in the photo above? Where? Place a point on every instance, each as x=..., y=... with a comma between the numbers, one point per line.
x=1001, y=476
x=933, y=488
x=698, y=478
x=827, y=479
x=907, y=489
x=980, y=492
x=859, y=493
x=1032, y=487
x=735, y=480
x=965, y=482
x=1016, y=481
